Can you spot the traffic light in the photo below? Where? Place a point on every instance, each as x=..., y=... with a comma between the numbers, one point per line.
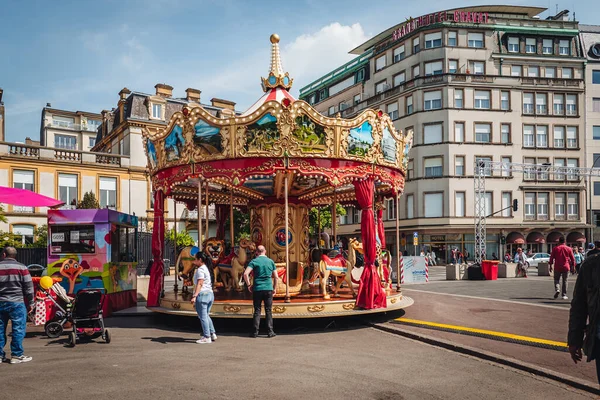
x=515, y=205
x=502, y=239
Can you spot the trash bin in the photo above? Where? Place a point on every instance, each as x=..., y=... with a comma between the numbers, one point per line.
x=36, y=270
x=490, y=269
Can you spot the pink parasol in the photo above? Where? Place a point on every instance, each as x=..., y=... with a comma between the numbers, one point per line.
x=26, y=198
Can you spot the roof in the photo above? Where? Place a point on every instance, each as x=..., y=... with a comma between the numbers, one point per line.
x=589, y=28
x=496, y=9
x=277, y=94
x=73, y=113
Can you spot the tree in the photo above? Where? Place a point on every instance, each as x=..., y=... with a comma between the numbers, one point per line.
x=10, y=239
x=183, y=238
x=2, y=216
x=241, y=225
x=89, y=201
x=325, y=217
x=41, y=236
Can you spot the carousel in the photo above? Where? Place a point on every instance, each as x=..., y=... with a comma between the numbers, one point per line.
x=275, y=162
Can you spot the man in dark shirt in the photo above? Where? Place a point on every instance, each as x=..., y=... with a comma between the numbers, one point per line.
x=15, y=287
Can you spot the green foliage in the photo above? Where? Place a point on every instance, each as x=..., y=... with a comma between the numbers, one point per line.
x=41, y=236
x=325, y=217
x=241, y=225
x=2, y=216
x=10, y=239
x=89, y=201
x=183, y=238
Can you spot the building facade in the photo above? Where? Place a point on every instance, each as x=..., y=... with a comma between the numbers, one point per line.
x=486, y=82
x=68, y=130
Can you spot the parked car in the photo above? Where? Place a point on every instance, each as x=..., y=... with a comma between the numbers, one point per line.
x=537, y=258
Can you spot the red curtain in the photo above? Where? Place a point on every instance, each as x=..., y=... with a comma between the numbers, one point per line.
x=370, y=293
x=222, y=211
x=380, y=229
x=158, y=243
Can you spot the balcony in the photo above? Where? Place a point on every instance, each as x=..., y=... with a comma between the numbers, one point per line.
x=72, y=126
x=555, y=82
x=23, y=151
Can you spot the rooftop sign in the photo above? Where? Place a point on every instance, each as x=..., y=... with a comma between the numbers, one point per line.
x=442, y=16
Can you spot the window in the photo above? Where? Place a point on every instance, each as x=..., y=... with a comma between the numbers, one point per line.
x=543, y=172
x=559, y=205
x=541, y=103
x=410, y=170
x=433, y=68
x=550, y=72
x=63, y=240
x=528, y=136
x=572, y=137
x=380, y=87
x=65, y=142
x=410, y=206
x=529, y=170
x=63, y=122
x=547, y=46
x=399, y=53
x=542, y=205
x=434, y=205
x=488, y=203
x=416, y=71
x=23, y=180
x=26, y=233
x=596, y=188
x=475, y=40
x=432, y=133
x=513, y=45
x=595, y=76
x=486, y=160
x=567, y=73
x=596, y=104
x=482, y=99
x=530, y=46
x=529, y=205
x=483, y=133
x=157, y=111
x=559, y=137
x=504, y=100
x=312, y=99
x=356, y=99
x=67, y=189
x=506, y=204
x=452, y=38
x=433, y=167
x=559, y=104
x=399, y=79
x=459, y=204
x=571, y=104
x=108, y=192
x=527, y=103
x=380, y=63
x=572, y=163
x=93, y=124
x=459, y=132
x=477, y=67
x=433, y=40
x=433, y=100
x=331, y=110
x=92, y=141
x=416, y=46
x=533, y=72
x=559, y=163
x=506, y=166
x=573, y=205
x=459, y=165
x=504, y=133
x=541, y=133
x=516, y=70
x=458, y=98
x=323, y=94
x=390, y=206
x=596, y=132
x=453, y=66
x=338, y=87
x=392, y=110
x=409, y=105
x=563, y=47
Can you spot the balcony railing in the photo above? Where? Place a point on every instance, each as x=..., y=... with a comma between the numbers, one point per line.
x=19, y=150
x=73, y=126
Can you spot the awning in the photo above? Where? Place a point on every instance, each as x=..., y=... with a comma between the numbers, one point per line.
x=515, y=238
x=553, y=237
x=26, y=198
x=574, y=237
x=535, y=237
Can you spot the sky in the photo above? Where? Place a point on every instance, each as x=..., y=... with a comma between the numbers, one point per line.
x=77, y=55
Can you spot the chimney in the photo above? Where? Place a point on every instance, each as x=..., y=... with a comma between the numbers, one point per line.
x=49, y=105
x=105, y=114
x=124, y=93
x=192, y=95
x=229, y=105
x=164, y=90
x=122, y=99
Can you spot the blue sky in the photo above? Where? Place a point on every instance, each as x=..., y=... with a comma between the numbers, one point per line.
x=78, y=55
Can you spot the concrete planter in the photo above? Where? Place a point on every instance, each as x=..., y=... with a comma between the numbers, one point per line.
x=543, y=269
x=143, y=282
x=507, y=270
x=456, y=272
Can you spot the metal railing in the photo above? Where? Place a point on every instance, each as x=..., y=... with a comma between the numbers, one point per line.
x=70, y=156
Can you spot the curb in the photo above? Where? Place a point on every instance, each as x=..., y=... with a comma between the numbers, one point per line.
x=496, y=358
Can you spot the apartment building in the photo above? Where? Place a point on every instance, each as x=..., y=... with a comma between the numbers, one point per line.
x=485, y=82
x=68, y=130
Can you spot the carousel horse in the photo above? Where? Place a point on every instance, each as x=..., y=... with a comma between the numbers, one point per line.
x=340, y=268
x=234, y=265
x=384, y=263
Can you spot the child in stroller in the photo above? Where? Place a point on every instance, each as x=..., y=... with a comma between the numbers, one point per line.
x=84, y=314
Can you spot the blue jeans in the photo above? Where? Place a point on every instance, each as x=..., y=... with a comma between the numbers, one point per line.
x=204, y=302
x=17, y=313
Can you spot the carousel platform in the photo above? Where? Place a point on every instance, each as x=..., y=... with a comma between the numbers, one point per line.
x=305, y=305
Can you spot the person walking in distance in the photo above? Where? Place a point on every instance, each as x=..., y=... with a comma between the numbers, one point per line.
x=263, y=289
x=16, y=287
x=578, y=258
x=561, y=261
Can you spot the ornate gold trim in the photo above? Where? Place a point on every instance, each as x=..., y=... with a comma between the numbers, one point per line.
x=176, y=306
x=279, y=309
x=316, y=308
x=348, y=306
x=232, y=309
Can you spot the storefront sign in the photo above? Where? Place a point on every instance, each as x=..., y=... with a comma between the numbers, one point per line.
x=429, y=19
x=438, y=238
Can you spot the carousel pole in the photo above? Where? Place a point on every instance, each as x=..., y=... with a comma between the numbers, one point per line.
x=206, y=213
x=333, y=218
x=231, y=221
x=287, y=243
x=398, y=253
x=318, y=227
x=175, y=236
x=199, y=214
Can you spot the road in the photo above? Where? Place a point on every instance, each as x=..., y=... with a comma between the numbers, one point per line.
x=149, y=358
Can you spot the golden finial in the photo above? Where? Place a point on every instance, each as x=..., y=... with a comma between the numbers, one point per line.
x=276, y=78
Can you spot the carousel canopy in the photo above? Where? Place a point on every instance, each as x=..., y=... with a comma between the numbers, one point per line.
x=245, y=158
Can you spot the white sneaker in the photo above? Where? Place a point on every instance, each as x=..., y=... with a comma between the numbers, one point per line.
x=213, y=337
x=204, y=340
x=565, y=298
x=20, y=359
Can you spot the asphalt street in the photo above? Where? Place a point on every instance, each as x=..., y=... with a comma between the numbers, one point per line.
x=156, y=357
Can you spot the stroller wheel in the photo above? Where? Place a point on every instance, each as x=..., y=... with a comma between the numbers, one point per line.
x=72, y=339
x=106, y=336
x=53, y=329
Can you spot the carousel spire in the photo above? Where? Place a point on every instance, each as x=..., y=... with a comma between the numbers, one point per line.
x=276, y=78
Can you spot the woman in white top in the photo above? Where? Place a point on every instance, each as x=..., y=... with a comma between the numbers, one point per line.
x=203, y=299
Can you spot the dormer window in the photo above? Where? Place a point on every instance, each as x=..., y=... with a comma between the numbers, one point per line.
x=157, y=111
x=156, y=106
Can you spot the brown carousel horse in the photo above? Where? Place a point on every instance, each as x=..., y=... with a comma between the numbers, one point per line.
x=384, y=261
x=234, y=265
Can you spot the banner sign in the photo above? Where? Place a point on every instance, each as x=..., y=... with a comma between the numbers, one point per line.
x=429, y=19
x=414, y=270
